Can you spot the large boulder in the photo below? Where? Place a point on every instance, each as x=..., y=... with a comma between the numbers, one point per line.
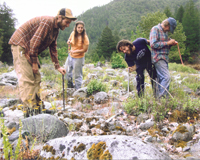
x=45, y=126
x=120, y=147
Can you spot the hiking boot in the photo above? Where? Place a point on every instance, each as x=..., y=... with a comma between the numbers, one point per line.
x=70, y=84
x=27, y=112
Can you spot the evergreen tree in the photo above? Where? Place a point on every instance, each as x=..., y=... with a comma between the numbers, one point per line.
x=147, y=22
x=1, y=42
x=7, y=24
x=116, y=37
x=191, y=27
x=179, y=15
x=102, y=59
x=95, y=57
x=168, y=12
x=138, y=34
x=106, y=44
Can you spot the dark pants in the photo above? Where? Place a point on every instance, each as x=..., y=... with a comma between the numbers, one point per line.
x=140, y=77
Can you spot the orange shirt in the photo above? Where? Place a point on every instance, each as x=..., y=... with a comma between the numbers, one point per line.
x=78, y=45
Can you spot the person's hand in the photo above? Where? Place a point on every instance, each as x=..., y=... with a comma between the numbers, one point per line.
x=68, y=42
x=133, y=68
x=35, y=68
x=71, y=52
x=175, y=43
x=171, y=42
x=62, y=70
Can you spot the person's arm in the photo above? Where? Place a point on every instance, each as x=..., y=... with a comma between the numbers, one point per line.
x=155, y=41
x=85, y=48
x=70, y=38
x=148, y=42
x=36, y=41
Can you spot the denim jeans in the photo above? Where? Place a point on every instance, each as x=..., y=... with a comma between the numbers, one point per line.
x=75, y=64
x=163, y=77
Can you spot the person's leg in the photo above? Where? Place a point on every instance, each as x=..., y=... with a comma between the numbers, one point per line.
x=140, y=80
x=78, y=65
x=29, y=83
x=153, y=75
x=163, y=77
x=69, y=68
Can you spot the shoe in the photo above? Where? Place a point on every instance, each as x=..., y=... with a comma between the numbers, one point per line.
x=70, y=85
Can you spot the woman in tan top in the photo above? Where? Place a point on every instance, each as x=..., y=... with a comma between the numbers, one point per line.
x=79, y=45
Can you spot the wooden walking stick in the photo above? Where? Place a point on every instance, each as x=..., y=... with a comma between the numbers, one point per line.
x=180, y=54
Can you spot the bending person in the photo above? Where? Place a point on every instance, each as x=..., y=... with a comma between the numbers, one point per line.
x=79, y=45
x=27, y=42
x=138, y=53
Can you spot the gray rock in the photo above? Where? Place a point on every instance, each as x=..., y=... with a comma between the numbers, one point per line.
x=45, y=126
x=186, y=136
x=80, y=93
x=11, y=125
x=15, y=135
x=142, y=117
x=100, y=97
x=148, y=139
x=146, y=125
x=185, y=149
x=99, y=64
x=120, y=147
x=8, y=102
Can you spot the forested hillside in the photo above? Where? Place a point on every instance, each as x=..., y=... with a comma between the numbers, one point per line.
x=121, y=16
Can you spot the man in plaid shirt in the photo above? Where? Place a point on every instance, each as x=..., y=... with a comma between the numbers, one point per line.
x=160, y=46
x=27, y=42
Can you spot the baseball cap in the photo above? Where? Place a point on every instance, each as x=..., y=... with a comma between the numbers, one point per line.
x=172, y=23
x=67, y=13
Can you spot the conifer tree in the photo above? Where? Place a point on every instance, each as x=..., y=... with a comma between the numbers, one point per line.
x=106, y=44
x=179, y=15
x=168, y=12
x=191, y=27
x=7, y=23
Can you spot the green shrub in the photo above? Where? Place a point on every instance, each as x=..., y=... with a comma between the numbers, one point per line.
x=118, y=61
x=62, y=54
x=102, y=59
x=95, y=86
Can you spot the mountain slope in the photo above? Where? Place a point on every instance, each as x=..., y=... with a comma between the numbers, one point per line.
x=121, y=16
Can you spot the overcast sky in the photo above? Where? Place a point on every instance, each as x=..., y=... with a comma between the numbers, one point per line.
x=27, y=9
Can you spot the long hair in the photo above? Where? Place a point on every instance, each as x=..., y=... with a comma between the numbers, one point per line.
x=123, y=42
x=76, y=33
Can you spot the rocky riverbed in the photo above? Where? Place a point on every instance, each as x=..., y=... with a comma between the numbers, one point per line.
x=99, y=123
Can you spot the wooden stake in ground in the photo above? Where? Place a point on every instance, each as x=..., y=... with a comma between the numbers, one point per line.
x=63, y=81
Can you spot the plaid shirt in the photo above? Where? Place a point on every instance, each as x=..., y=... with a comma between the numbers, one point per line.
x=158, y=42
x=35, y=36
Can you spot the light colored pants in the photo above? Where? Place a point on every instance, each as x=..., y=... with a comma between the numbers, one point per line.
x=29, y=83
x=75, y=64
x=163, y=77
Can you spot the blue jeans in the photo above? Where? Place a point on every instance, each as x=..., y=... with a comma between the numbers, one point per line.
x=75, y=64
x=163, y=77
